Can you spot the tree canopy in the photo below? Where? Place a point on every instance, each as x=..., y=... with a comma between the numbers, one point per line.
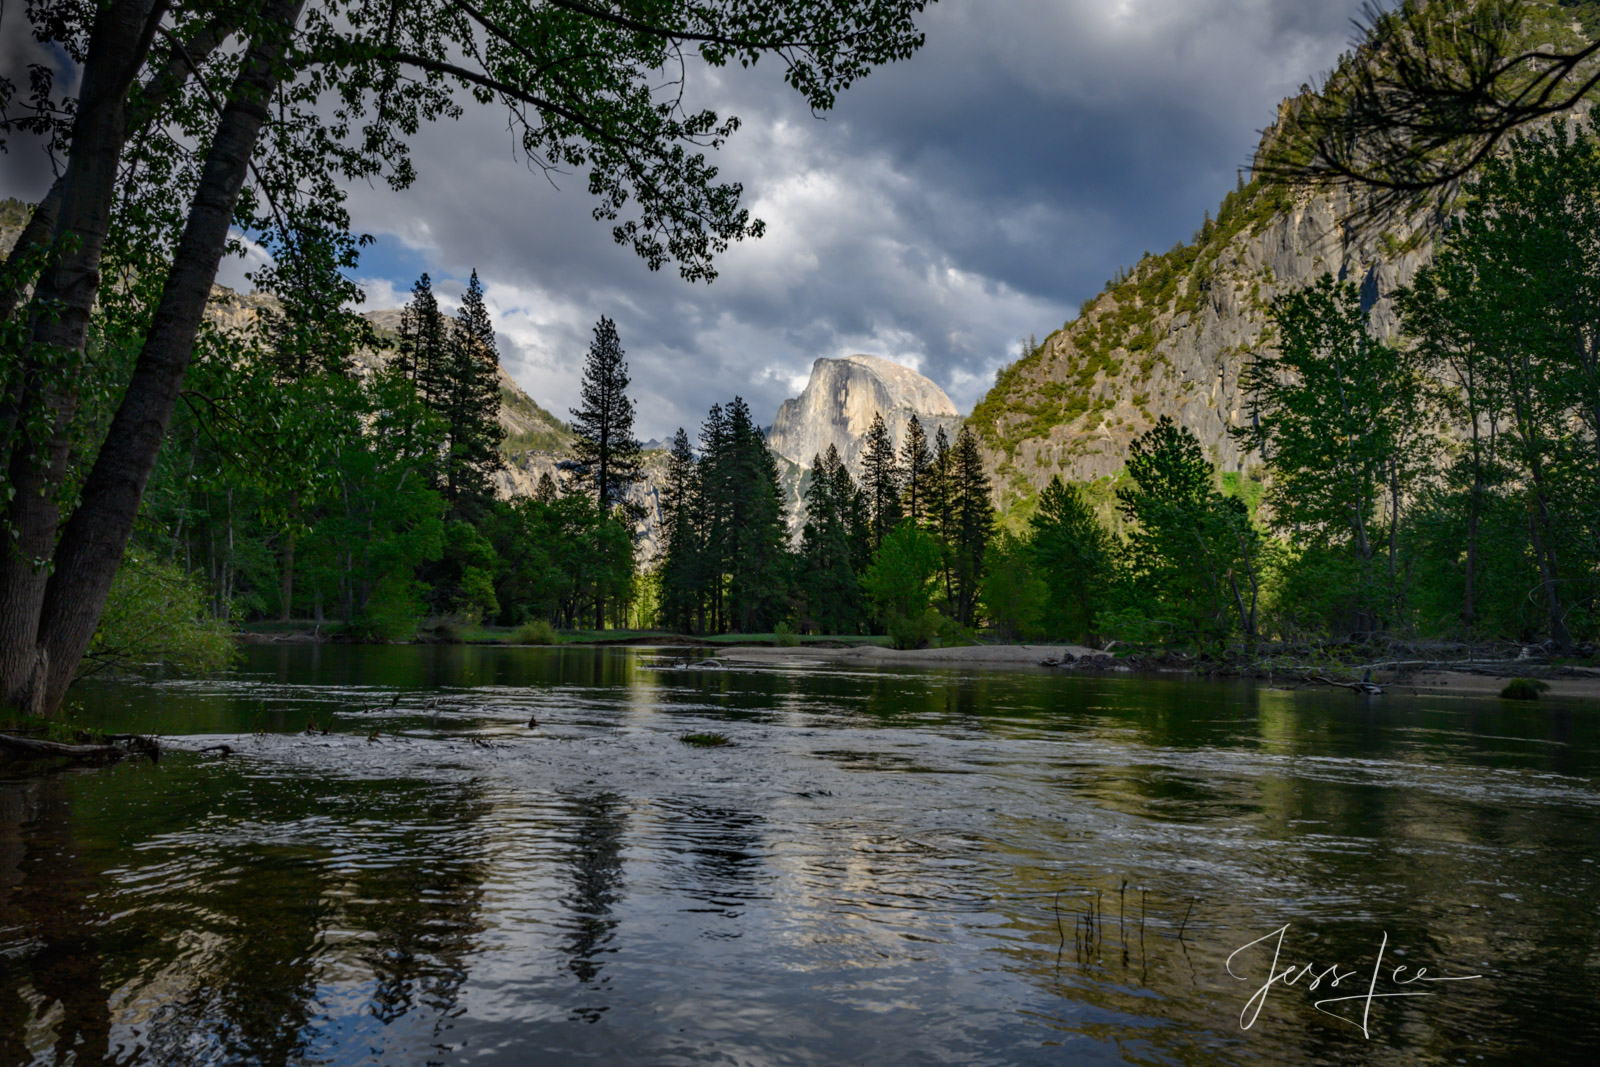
x=196, y=121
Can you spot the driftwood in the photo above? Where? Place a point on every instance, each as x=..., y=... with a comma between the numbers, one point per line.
x=29, y=747
x=1360, y=687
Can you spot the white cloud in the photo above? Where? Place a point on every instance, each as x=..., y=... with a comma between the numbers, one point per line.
x=949, y=205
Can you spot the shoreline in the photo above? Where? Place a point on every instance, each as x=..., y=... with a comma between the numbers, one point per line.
x=1016, y=656
x=1565, y=682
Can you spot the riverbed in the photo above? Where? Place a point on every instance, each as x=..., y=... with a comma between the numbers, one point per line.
x=437, y=854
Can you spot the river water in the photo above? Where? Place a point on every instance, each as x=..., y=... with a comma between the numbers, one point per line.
x=884, y=866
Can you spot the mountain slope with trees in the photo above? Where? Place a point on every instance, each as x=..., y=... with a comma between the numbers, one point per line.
x=1173, y=334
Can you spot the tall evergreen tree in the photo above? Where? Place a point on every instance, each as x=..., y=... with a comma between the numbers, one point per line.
x=916, y=460
x=714, y=512
x=1073, y=554
x=828, y=582
x=973, y=514
x=758, y=559
x=608, y=453
x=941, y=496
x=854, y=510
x=423, y=339
x=1192, y=558
x=545, y=491
x=468, y=401
x=881, y=480
x=680, y=587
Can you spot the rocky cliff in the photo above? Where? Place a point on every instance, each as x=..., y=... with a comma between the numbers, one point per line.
x=840, y=401
x=1171, y=335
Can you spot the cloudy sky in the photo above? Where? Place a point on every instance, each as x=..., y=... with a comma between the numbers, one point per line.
x=947, y=207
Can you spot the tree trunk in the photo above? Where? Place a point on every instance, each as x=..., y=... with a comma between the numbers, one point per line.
x=1468, y=596
x=153, y=96
x=93, y=541
x=286, y=578
x=36, y=468
x=1468, y=608
x=1545, y=554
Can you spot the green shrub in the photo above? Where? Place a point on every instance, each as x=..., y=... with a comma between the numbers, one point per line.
x=534, y=632
x=392, y=611
x=952, y=634
x=783, y=636
x=1524, y=689
x=706, y=740
x=157, y=616
x=449, y=629
x=914, y=631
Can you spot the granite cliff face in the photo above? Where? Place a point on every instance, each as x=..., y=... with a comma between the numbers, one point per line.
x=842, y=398
x=1175, y=335
x=1172, y=335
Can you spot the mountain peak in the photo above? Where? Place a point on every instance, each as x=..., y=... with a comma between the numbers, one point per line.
x=844, y=395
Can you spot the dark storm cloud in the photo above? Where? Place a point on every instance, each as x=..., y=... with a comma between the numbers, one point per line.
x=948, y=206
x=25, y=169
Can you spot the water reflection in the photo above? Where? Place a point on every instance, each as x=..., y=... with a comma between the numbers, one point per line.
x=52, y=988
x=594, y=839
x=871, y=871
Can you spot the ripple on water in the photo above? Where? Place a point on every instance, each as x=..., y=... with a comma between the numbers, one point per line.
x=885, y=866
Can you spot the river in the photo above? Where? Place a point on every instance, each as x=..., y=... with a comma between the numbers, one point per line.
x=882, y=867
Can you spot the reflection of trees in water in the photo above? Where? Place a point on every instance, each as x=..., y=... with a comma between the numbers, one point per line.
x=218, y=946
x=423, y=912
x=722, y=845
x=45, y=904
x=238, y=975
x=596, y=828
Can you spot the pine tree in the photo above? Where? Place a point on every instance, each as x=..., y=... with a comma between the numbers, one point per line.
x=422, y=339
x=758, y=534
x=1192, y=556
x=973, y=514
x=854, y=510
x=714, y=513
x=915, y=463
x=468, y=400
x=546, y=491
x=608, y=453
x=941, y=507
x=828, y=582
x=680, y=589
x=678, y=484
x=880, y=479
x=1073, y=554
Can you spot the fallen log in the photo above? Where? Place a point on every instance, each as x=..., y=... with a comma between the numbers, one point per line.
x=1360, y=687
x=28, y=746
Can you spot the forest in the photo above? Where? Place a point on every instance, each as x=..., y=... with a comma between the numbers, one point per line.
x=1440, y=485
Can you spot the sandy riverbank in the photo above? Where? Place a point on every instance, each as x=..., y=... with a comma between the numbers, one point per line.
x=1565, y=684
x=1584, y=686
x=967, y=656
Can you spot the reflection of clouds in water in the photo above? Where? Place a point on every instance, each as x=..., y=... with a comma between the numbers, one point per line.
x=868, y=872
